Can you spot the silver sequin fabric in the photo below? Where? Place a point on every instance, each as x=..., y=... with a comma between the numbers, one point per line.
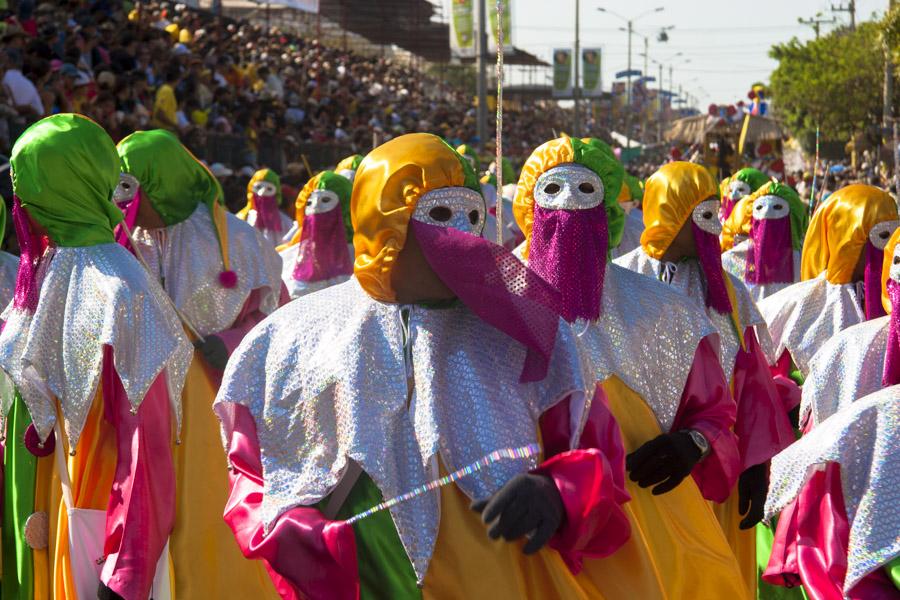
x=272, y=237
x=863, y=438
x=461, y=201
x=647, y=335
x=186, y=258
x=325, y=378
x=803, y=316
x=568, y=179
x=734, y=261
x=9, y=268
x=687, y=277
x=847, y=367
x=631, y=236
x=91, y=297
x=295, y=288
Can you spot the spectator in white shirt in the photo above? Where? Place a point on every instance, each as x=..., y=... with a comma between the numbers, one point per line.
x=25, y=96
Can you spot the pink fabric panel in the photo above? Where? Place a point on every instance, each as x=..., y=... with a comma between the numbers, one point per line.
x=268, y=217
x=762, y=427
x=811, y=544
x=590, y=480
x=322, y=252
x=771, y=254
x=891, y=373
x=710, y=254
x=308, y=555
x=872, y=282
x=141, y=510
x=707, y=406
x=246, y=320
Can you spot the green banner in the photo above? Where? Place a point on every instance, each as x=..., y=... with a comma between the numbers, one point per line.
x=590, y=67
x=462, y=26
x=507, y=24
x=562, y=72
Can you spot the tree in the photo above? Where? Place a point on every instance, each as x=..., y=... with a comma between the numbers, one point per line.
x=834, y=82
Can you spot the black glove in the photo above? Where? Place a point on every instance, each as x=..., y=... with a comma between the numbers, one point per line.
x=665, y=460
x=527, y=505
x=752, y=489
x=794, y=416
x=104, y=593
x=214, y=351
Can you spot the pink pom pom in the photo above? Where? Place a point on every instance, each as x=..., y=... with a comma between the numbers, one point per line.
x=228, y=279
x=33, y=442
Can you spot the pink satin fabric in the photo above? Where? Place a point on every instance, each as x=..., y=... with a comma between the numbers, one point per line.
x=891, y=374
x=568, y=250
x=267, y=213
x=707, y=406
x=590, y=480
x=710, y=254
x=872, y=282
x=810, y=544
x=31, y=249
x=726, y=208
x=497, y=287
x=130, y=209
x=306, y=555
x=248, y=318
x=322, y=252
x=762, y=427
x=770, y=257
x=141, y=510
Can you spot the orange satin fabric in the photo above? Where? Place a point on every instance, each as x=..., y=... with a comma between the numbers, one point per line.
x=669, y=197
x=388, y=184
x=300, y=210
x=207, y=561
x=677, y=548
x=886, y=269
x=839, y=230
x=251, y=205
x=741, y=541
x=737, y=223
x=545, y=157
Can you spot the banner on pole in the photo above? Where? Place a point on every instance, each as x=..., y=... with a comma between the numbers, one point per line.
x=562, y=72
x=592, y=82
x=304, y=5
x=462, y=28
x=507, y=25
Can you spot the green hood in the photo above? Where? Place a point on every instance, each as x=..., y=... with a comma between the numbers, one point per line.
x=340, y=185
x=753, y=177
x=799, y=214
x=596, y=155
x=171, y=178
x=64, y=172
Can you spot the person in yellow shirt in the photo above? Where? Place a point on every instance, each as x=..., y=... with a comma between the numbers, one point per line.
x=165, y=106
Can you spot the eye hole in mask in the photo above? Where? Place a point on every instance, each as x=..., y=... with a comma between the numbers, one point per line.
x=705, y=215
x=882, y=232
x=894, y=272
x=770, y=207
x=264, y=188
x=738, y=189
x=569, y=187
x=321, y=201
x=127, y=188
x=456, y=207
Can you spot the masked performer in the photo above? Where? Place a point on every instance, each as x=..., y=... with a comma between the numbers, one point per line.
x=741, y=184
x=263, y=208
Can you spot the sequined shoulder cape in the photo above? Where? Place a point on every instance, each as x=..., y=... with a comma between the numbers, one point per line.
x=803, y=316
x=863, y=439
x=91, y=297
x=848, y=367
x=326, y=380
x=734, y=261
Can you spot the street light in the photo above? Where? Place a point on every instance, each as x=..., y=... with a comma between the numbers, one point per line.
x=630, y=23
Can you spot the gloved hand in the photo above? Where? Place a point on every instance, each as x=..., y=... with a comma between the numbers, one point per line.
x=528, y=505
x=794, y=416
x=104, y=593
x=665, y=460
x=214, y=351
x=753, y=486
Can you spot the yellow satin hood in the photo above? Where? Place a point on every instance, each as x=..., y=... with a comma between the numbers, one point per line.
x=737, y=223
x=669, y=197
x=388, y=185
x=839, y=231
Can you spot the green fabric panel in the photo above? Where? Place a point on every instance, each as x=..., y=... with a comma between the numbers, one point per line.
x=273, y=178
x=340, y=185
x=471, y=179
x=634, y=187
x=357, y=159
x=599, y=158
x=18, y=504
x=3, y=216
x=799, y=213
x=754, y=177
x=64, y=171
x=893, y=572
x=384, y=567
x=765, y=536
x=798, y=377
x=171, y=178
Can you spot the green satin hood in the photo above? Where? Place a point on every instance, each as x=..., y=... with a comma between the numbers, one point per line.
x=64, y=171
x=171, y=178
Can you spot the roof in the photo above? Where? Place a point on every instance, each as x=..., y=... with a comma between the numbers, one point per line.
x=694, y=129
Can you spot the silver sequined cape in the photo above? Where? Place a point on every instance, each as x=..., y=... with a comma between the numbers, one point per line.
x=863, y=438
x=734, y=261
x=91, y=297
x=689, y=279
x=325, y=378
x=848, y=366
x=186, y=257
x=9, y=268
x=647, y=335
x=803, y=316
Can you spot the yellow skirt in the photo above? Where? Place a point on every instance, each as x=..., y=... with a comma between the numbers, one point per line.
x=207, y=560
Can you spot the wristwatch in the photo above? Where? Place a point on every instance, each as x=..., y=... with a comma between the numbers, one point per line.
x=700, y=441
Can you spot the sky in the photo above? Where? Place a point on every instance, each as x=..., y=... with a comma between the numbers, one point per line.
x=724, y=44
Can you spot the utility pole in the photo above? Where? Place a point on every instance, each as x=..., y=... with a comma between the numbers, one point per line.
x=628, y=95
x=645, y=75
x=849, y=8
x=659, y=100
x=816, y=22
x=481, y=48
x=576, y=126
x=887, y=110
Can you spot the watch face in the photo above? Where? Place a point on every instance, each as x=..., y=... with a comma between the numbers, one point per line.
x=700, y=441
